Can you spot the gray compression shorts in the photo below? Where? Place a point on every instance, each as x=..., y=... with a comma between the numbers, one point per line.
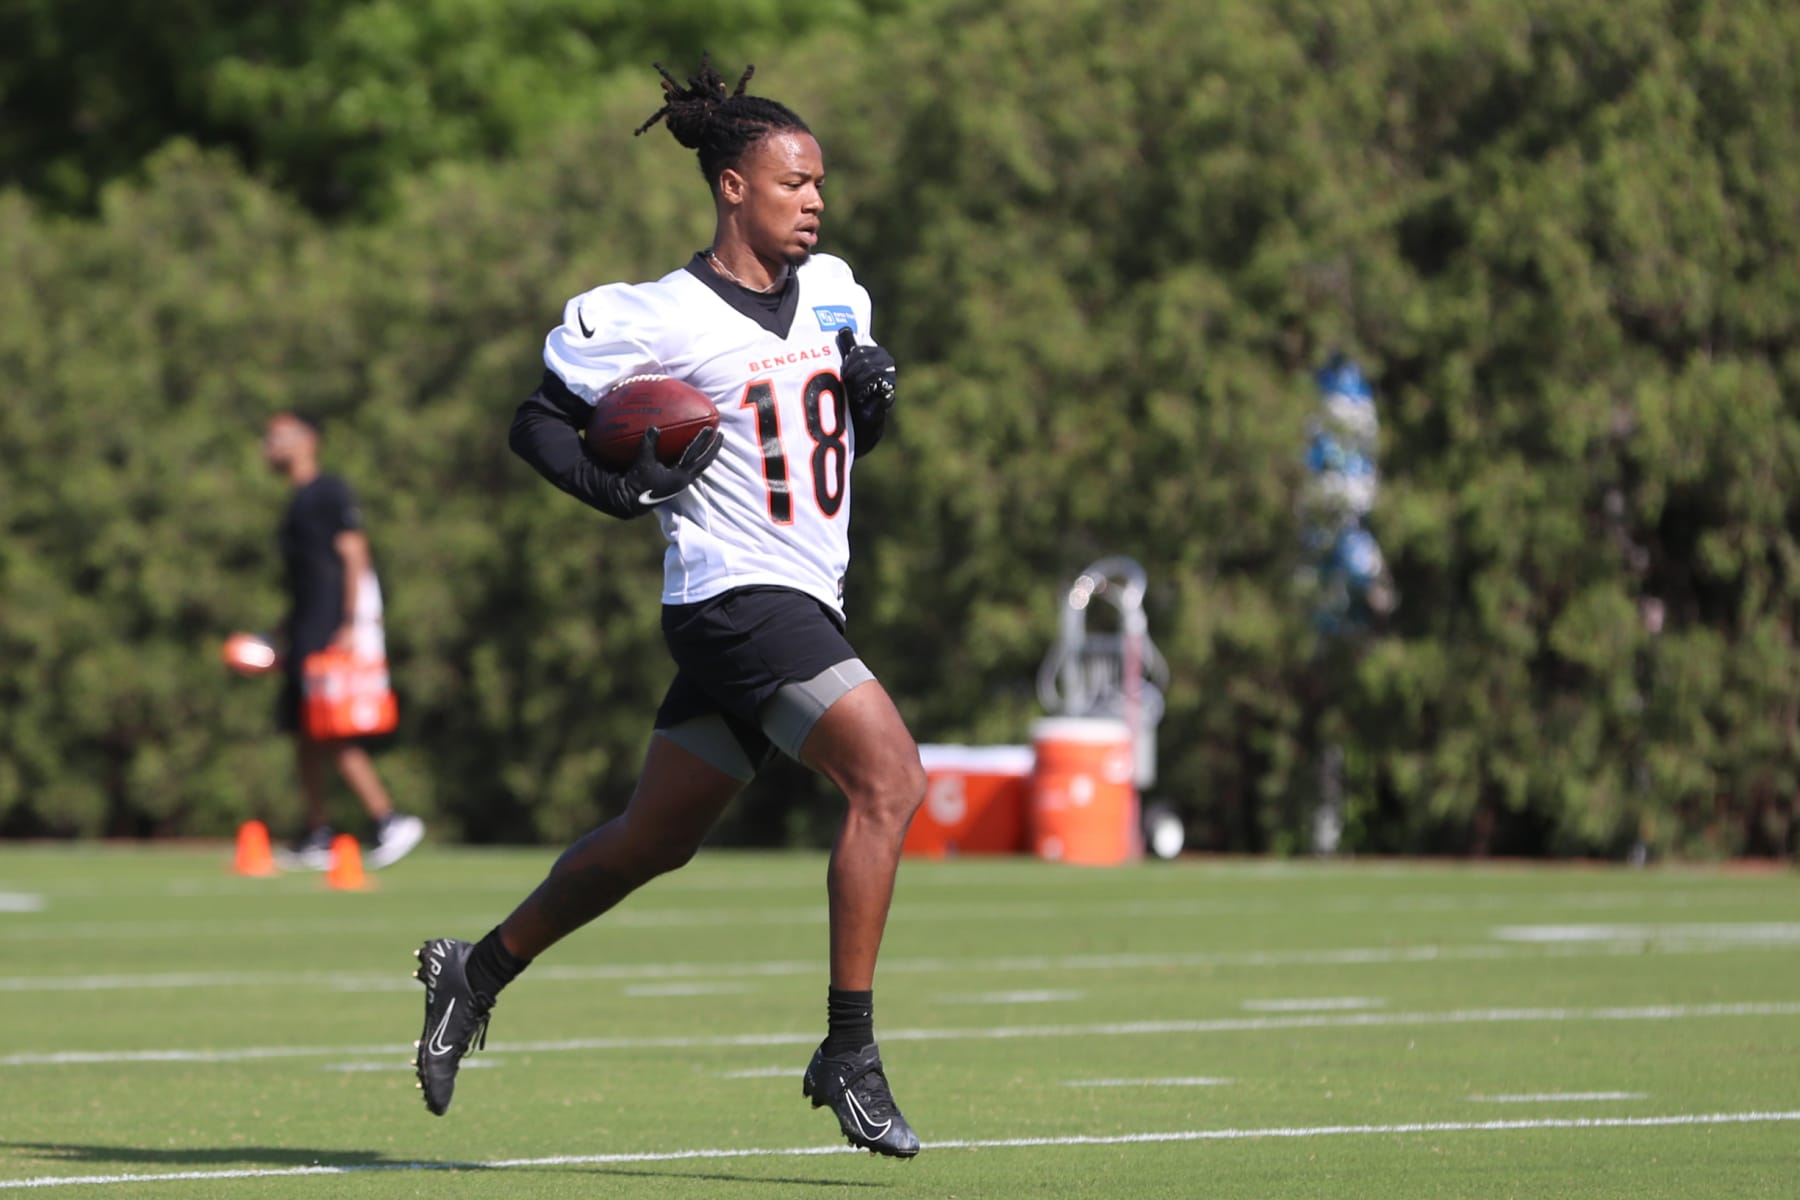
x=786, y=720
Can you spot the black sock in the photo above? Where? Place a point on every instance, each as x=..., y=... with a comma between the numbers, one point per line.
x=492, y=966
x=850, y=1021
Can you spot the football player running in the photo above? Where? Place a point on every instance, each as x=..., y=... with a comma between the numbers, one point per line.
x=756, y=514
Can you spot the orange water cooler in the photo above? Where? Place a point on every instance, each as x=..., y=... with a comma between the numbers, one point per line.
x=975, y=801
x=1084, y=801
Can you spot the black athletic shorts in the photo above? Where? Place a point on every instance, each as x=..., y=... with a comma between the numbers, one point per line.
x=293, y=676
x=734, y=651
x=287, y=703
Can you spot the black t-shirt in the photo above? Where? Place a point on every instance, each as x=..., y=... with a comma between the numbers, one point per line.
x=314, y=570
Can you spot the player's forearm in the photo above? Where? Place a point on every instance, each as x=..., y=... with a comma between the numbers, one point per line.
x=868, y=431
x=545, y=433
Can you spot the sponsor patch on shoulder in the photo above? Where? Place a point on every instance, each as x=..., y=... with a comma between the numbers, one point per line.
x=835, y=316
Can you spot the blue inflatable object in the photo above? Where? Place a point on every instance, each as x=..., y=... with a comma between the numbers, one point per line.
x=1343, y=557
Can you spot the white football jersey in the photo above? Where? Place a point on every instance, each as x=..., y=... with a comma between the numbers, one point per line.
x=774, y=506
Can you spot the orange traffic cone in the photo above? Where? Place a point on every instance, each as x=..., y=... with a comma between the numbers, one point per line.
x=346, y=870
x=253, y=857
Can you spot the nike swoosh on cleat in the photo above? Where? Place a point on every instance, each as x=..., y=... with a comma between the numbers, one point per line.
x=437, y=1036
x=581, y=320
x=864, y=1122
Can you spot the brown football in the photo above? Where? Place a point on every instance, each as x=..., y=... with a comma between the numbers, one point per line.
x=617, y=427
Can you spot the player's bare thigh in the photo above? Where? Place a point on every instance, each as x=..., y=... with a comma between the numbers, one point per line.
x=862, y=745
x=678, y=798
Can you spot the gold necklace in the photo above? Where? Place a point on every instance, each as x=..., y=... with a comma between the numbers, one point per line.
x=726, y=271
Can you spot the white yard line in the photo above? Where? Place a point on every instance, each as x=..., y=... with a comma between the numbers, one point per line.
x=21, y=902
x=1123, y=1139
x=1360, y=1020
x=642, y=991
x=385, y=1065
x=1779, y=932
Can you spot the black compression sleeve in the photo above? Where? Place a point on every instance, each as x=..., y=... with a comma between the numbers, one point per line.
x=546, y=434
x=868, y=431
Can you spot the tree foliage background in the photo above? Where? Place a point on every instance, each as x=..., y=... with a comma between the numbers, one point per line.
x=1108, y=241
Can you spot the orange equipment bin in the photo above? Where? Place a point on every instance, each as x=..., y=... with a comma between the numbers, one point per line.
x=346, y=695
x=1084, y=803
x=975, y=800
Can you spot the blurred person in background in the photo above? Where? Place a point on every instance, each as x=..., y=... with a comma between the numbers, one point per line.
x=334, y=600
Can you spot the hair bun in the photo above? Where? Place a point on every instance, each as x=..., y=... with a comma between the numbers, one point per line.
x=719, y=125
x=689, y=110
x=688, y=119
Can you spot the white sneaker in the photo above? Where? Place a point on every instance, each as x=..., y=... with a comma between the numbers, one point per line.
x=394, y=839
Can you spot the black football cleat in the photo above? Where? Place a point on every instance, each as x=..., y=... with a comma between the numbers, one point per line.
x=856, y=1089
x=456, y=1019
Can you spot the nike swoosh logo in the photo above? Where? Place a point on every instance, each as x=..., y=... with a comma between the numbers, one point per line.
x=650, y=499
x=436, y=1045
x=582, y=321
x=863, y=1120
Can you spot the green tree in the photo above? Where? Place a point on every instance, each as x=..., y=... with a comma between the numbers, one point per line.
x=333, y=100
x=1107, y=243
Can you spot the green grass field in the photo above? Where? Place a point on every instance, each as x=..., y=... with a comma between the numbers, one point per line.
x=1208, y=1029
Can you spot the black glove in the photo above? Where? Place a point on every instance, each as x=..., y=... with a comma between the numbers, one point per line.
x=546, y=432
x=647, y=483
x=868, y=375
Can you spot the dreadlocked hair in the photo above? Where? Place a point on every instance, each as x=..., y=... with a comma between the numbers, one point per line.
x=717, y=124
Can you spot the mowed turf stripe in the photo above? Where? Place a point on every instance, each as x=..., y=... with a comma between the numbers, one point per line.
x=910, y=912
x=1035, y=1143
x=400, y=980
x=1171, y=1081
x=1560, y=1097
x=1370, y=1020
